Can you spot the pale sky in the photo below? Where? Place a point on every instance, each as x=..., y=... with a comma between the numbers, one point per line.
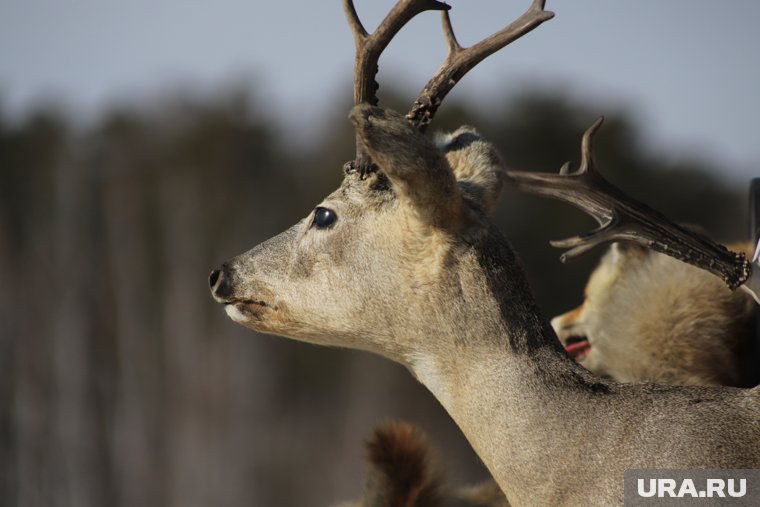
x=690, y=69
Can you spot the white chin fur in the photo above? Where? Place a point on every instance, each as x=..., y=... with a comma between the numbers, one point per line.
x=236, y=315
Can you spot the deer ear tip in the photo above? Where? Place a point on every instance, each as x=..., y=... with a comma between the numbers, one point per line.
x=442, y=139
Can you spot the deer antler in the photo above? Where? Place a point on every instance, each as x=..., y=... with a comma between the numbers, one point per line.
x=369, y=47
x=460, y=60
x=622, y=218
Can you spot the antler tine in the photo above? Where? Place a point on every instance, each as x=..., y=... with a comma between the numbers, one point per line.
x=579, y=245
x=588, y=159
x=369, y=47
x=354, y=22
x=622, y=218
x=460, y=60
x=448, y=32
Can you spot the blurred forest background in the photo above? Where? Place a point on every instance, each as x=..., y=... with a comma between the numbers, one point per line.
x=123, y=384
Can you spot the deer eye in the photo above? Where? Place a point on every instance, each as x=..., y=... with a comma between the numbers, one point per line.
x=323, y=218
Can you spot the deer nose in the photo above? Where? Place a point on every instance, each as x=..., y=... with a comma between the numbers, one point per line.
x=219, y=283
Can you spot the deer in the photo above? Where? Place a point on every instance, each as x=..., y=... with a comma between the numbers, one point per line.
x=402, y=261
x=649, y=317
x=659, y=306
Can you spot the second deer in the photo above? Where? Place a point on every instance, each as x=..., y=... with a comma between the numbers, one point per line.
x=649, y=317
x=662, y=305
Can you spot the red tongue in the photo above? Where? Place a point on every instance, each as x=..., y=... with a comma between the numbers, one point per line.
x=579, y=348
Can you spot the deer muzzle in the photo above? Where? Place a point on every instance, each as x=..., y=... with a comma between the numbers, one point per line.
x=240, y=308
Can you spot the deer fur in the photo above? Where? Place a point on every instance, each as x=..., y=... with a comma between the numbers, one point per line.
x=403, y=474
x=413, y=270
x=649, y=317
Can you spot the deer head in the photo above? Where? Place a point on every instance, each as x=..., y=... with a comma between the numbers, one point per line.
x=371, y=261
x=357, y=270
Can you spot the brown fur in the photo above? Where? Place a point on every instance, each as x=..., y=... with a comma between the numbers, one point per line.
x=402, y=474
x=650, y=317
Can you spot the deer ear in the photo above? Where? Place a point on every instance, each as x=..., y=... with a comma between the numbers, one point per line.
x=477, y=166
x=417, y=169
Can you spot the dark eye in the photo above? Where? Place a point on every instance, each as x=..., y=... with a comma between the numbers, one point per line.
x=323, y=218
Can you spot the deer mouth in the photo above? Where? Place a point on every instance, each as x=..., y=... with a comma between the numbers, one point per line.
x=577, y=346
x=242, y=310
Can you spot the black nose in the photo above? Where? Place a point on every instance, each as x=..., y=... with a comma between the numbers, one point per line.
x=213, y=278
x=219, y=283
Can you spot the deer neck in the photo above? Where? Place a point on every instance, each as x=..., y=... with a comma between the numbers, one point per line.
x=504, y=378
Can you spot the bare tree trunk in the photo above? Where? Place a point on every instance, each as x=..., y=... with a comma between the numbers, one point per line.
x=77, y=476
x=136, y=443
x=9, y=332
x=207, y=461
